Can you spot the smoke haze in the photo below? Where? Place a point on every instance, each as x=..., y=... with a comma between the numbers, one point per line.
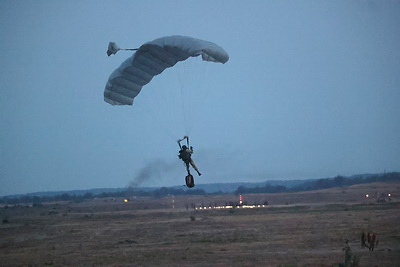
x=152, y=171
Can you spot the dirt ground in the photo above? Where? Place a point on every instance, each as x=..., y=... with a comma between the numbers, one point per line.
x=295, y=229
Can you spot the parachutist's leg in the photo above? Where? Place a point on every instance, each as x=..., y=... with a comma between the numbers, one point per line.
x=187, y=167
x=194, y=167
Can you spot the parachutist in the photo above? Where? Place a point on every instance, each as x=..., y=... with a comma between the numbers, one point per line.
x=185, y=154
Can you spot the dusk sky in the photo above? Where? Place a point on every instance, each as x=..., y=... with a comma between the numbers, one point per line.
x=311, y=90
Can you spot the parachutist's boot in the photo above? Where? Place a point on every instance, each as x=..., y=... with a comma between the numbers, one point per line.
x=198, y=173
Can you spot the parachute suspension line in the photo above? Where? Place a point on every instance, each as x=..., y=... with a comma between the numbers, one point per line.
x=184, y=112
x=161, y=123
x=200, y=86
x=182, y=73
x=151, y=105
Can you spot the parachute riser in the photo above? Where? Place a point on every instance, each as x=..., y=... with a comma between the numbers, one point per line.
x=187, y=141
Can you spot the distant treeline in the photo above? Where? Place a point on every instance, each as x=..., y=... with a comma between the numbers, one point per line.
x=337, y=181
x=157, y=193
x=308, y=185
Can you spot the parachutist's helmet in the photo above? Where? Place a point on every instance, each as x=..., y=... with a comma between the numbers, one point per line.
x=184, y=147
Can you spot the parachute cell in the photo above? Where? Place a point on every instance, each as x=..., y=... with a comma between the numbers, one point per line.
x=152, y=58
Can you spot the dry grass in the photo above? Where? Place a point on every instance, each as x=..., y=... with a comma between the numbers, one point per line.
x=299, y=229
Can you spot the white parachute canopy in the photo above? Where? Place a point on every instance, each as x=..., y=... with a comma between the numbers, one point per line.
x=152, y=58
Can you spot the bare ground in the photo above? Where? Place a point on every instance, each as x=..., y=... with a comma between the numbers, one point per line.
x=297, y=229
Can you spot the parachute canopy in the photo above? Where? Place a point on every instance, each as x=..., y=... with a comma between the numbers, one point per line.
x=152, y=58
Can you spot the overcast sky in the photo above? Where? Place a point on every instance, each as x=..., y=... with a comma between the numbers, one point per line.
x=311, y=90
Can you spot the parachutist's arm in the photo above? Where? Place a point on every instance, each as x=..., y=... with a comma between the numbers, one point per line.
x=180, y=140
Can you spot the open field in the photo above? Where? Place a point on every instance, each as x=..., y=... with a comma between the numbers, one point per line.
x=296, y=229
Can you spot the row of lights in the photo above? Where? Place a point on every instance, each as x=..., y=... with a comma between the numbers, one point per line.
x=240, y=206
x=231, y=207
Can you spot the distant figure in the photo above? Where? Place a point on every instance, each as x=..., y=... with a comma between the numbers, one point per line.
x=368, y=240
x=185, y=154
x=347, y=253
x=350, y=260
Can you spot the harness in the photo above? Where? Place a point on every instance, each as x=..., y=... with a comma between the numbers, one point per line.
x=185, y=156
